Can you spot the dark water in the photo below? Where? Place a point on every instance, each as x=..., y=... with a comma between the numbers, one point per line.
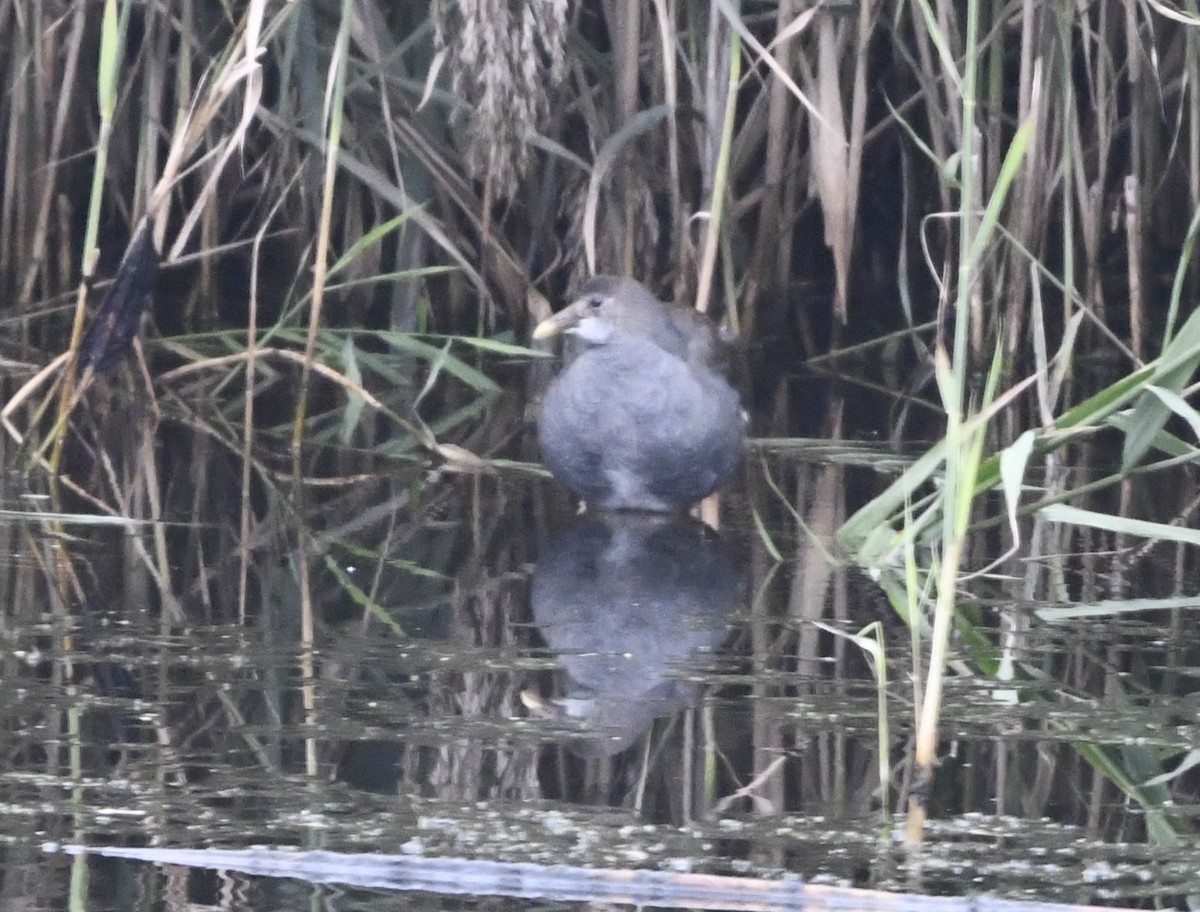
x=496, y=679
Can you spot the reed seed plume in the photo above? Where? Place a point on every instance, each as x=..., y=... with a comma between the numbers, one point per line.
x=504, y=58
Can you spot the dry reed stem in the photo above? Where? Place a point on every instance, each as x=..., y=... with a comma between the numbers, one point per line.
x=41, y=232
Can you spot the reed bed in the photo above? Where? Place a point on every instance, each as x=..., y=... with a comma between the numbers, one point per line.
x=360, y=208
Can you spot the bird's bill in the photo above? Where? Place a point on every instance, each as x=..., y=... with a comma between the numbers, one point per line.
x=563, y=321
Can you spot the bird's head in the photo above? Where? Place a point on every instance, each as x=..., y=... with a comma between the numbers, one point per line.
x=605, y=306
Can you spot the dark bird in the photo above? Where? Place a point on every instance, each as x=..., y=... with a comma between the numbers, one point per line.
x=110, y=332
x=643, y=418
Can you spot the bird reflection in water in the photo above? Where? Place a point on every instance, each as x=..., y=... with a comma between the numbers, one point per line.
x=630, y=601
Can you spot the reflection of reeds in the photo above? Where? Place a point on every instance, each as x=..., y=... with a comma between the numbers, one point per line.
x=1019, y=182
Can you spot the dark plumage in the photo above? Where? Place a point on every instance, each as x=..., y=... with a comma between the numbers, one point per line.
x=112, y=327
x=642, y=418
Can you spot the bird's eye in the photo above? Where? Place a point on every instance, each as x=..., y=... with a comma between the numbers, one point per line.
x=595, y=301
